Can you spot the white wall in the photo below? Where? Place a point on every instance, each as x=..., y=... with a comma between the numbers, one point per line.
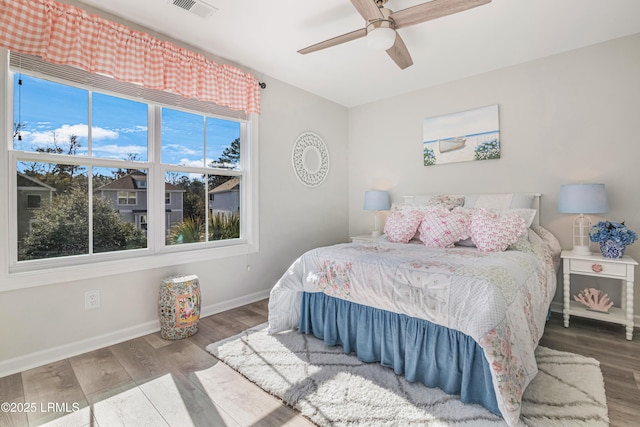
x=564, y=119
x=44, y=323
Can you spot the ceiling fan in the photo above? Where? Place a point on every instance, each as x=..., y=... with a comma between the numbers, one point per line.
x=382, y=23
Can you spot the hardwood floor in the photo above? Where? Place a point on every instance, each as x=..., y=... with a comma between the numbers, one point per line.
x=619, y=361
x=151, y=381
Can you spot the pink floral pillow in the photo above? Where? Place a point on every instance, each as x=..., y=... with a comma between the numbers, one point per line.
x=442, y=228
x=494, y=233
x=402, y=225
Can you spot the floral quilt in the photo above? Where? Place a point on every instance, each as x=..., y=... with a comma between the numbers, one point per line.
x=500, y=299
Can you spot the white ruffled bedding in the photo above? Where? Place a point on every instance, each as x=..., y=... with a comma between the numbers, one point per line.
x=500, y=299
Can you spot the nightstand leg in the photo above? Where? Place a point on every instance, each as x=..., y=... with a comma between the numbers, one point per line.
x=629, y=310
x=567, y=302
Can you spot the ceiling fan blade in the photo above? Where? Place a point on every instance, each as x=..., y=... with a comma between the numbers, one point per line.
x=368, y=9
x=432, y=10
x=353, y=35
x=399, y=53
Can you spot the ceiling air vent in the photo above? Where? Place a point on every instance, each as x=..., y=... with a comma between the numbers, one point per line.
x=197, y=7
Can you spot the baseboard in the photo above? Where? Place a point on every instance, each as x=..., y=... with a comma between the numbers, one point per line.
x=39, y=358
x=556, y=306
x=233, y=303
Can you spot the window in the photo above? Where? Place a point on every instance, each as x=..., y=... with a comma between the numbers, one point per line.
x=141, y=221
x=127, y=198
x=33, y=201
x=200, y=144
x=101, y=169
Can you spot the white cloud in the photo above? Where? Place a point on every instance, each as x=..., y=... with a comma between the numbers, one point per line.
x=193, y=163
x=63, y=133
x=135, y=129
x=180, y=149
x=121, y=152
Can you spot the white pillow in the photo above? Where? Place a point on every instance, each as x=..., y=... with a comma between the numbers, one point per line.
x=499, y=201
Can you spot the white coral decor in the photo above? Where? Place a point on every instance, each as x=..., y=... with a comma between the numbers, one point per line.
x=594, y=299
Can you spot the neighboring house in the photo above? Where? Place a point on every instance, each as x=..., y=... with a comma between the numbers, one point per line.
x=31, y=194
x=128, y=195
x=225, y=198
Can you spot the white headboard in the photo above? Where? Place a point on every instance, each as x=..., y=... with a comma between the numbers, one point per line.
x=503, y=200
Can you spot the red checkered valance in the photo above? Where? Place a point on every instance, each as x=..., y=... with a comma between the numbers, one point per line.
x=64, y=34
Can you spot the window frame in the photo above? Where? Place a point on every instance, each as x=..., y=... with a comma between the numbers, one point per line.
x=130, y=195
x=32, y=208
x=19, y=275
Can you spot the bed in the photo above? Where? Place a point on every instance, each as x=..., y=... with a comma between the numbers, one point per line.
x=464, y=316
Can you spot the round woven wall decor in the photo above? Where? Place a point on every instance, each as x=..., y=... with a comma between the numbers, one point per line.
x=310, y=159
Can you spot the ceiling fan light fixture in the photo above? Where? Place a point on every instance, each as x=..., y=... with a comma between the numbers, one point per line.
x=381, y=38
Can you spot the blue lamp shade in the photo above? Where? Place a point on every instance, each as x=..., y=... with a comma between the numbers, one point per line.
x=583, y=199
x=376, y=200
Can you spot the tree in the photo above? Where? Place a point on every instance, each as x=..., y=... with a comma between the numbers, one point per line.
x=17, y=127
x=193, y=199
x=120, y=172
x=60, y=176
x=224, y=226
x=190, y=230
x=230, y=156
x=228, y=160
x=61, y=228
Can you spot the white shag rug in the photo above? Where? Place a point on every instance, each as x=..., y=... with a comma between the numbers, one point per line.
x=335, y=389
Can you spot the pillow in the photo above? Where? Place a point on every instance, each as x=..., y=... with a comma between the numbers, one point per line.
x=499, y=201
x=412, y=207
x=494, y=233
x=528, y=215
x=447, y=201
x=402, y=225
x=442, y=228
x=405, y=207
x=425, y=202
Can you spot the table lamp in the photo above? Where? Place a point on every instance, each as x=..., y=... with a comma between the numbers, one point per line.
x=376, y=200
x=582, y=199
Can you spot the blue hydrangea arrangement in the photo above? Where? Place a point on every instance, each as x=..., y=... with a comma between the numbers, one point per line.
x=615, y=231
x=487, y=150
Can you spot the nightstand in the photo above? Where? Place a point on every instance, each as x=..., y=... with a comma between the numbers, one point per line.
x=599, y=266
x=364, y=238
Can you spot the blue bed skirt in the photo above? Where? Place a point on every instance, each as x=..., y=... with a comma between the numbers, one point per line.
x=418, y=349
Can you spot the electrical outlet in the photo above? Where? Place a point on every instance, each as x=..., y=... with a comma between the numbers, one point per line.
x=92, y=300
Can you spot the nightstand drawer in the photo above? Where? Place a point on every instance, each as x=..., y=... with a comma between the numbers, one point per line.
x=595, y=267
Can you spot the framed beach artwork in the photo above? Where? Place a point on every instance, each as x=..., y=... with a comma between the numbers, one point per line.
x=461, y=137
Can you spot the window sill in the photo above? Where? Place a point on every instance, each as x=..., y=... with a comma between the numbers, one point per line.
x=47, y=276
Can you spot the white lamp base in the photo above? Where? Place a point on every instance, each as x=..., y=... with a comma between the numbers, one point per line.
x=581, y=241
x=581, y=250
x=375, y=232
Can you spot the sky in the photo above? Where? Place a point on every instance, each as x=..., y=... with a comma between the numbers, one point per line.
x=484, y=119
x=53, y=112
